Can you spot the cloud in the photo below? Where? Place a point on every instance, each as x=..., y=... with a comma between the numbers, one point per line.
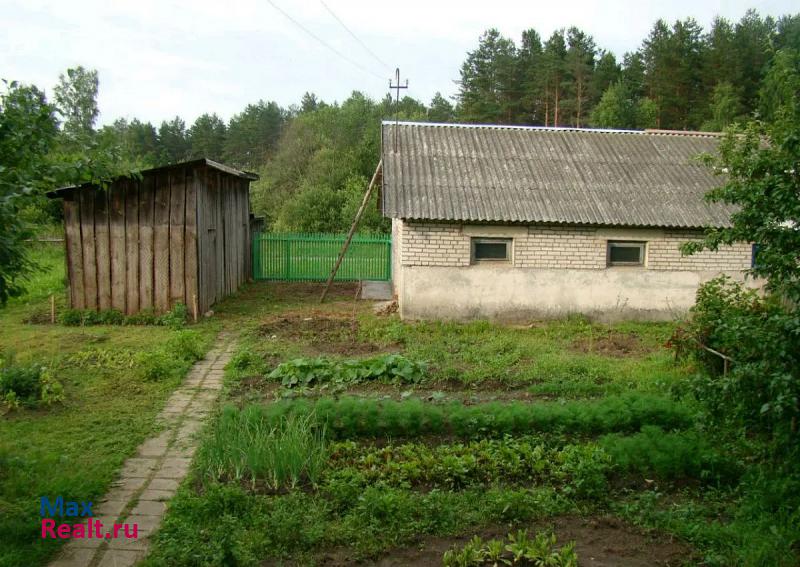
x=160, y=58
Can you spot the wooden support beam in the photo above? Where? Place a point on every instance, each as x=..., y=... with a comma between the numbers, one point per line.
x=350, y=234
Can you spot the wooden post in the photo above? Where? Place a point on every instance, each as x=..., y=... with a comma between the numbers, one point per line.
x=352, y=231
x=194, y=307
x=52, y=309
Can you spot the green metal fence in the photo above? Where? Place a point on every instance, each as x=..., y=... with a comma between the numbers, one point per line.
x=310, y=257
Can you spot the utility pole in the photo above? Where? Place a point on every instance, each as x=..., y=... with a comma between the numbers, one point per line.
x=397, y=86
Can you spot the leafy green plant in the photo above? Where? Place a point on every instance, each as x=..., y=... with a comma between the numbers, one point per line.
x=245, y=447
x=175, y=318
x=307, y=372
x=28, y=385
x=577, y=470
x=155, y=365
x=518, y=549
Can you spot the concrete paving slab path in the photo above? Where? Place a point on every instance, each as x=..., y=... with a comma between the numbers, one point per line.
x=152, y=476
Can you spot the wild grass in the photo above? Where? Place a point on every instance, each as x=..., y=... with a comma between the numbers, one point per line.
x=246, y=447
x=74, y=448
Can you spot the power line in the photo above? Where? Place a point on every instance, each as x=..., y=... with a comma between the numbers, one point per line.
x=354, y=36
x=323, y=42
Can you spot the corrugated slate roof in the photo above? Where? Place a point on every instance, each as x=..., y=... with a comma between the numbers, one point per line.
x=460, y=172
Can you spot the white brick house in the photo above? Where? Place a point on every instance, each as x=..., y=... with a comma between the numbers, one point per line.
x=517, y=223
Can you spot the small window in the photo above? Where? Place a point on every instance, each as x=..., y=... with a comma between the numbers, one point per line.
x=625, y=253
x=754, y=256
x=491, y=249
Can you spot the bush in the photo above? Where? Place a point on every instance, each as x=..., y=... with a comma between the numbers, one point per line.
x=27, y=385
x=760, y=392
x=245, y=446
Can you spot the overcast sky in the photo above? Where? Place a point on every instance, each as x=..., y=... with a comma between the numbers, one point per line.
x=161, y=58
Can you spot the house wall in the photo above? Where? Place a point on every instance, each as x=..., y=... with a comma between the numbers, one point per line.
x=554, y=271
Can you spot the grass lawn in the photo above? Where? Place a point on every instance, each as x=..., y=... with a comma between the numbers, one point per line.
x=349, y=436
x=75, y=447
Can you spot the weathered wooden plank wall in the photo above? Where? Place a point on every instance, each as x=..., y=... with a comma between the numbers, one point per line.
x=146, y=245
x=132, y=247
x=74, y=249
x=177, y=235
x=86, y=200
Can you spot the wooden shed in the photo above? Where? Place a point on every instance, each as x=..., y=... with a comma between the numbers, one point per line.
x=173, y=234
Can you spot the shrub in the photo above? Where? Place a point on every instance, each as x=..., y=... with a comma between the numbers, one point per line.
x=28, y=385
x=762, y=337
x=246, y=447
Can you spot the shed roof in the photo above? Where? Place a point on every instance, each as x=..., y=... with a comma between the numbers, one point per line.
x=190, y=163
x=482, y=173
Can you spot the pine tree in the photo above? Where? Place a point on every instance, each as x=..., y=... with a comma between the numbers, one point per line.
x=207, y=137
x=488, y=86
x=530, y=65
x=553, y=64
x=173, y=140
x=579, y=68
x=440, y=109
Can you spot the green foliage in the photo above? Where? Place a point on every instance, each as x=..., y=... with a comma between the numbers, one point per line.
x=762, y=337
x=308, y=372
x=517, y=549
x=576, y=470
x=763, y=181
x=670, y=456
x=176, y=318
x=76, y=98
x=171, y=359
x=27, y=385
x=352, y=417
x=207, y=137
x=245, y=447
x=27, y=134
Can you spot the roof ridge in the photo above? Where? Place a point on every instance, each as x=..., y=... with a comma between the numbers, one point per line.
x=647, y=131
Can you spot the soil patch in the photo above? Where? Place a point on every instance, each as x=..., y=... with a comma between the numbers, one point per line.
x=324, y=333
x=610, y=343
x=600, y=542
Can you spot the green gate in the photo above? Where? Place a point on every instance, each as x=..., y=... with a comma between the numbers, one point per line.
x=310, y=257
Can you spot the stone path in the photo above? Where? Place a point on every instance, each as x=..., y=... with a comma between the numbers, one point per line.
x=148, y=480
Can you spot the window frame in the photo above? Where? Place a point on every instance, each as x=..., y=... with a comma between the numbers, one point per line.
x=641, y=245
x=509, y=242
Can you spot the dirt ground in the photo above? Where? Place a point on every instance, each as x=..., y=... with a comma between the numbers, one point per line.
x=611, y=343
x=600, y=542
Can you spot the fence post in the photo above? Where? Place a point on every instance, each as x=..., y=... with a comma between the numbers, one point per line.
x=286, y=259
